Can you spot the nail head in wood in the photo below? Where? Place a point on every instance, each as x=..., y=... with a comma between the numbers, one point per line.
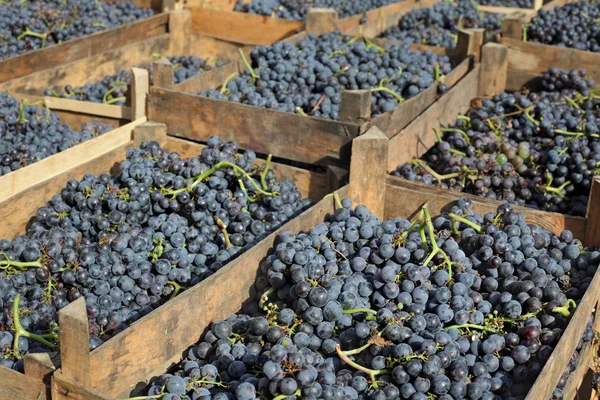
x=150, y=131
x=367, y=178
x=355, y=106
x=163, y=75
x=494, y=68
x=140, y=83
x=75, y=342
x=321, y=20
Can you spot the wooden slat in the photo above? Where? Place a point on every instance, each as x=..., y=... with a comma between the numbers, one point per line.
x=321, y=20
x=502, y=10
x=117, y=371
x=441, y=200
x=242, y=27
x=365, y=181
x=75, y=343
x=397, y=119
x=292, y=136
x=138, y=92
x=64, y=388
x=534, y=57
x=212, y=79
x=418, y=136
x=77, y=49
x=88, y=108
x=21, y=179
x=180, y=29
x=494, y=63
x=592, y=228
x=16, y=386
x=576, y=377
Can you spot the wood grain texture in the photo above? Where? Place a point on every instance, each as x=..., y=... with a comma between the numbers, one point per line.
x=394, y=121
x=321, y=20
x=241, y=27
x=575, y=381
x=469, y=43
x=442, y=200
x=365, y=185
x=512, y=27
x=355, y=106
x=535, y=57
x=64, y=388
x=75, y=343
x=180, y=27
x=16, y=386
x=124, y=361
x=212, y=79
x=494, y=64
x=140, y=86
x=291, y=136
x=88, y=108
x=414, y=140
x=24, y=178
x=76, y=49
x=41, y=365
x=148, y=132
x=163, y=74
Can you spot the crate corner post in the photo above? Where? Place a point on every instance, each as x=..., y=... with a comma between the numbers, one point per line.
x=355, y=106
x=162, y=74
x=592, y=223
x=75, y=343
x=150, y=131
x=322, y=20
x=140, y=83
x=494, y=69
x=367, y=176
x=469, y=42
x=180, y=32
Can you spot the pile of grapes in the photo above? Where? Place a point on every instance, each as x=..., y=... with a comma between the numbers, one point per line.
x=35, y=24
x=507, y=3
x=113, y=89
x=298, y=9
x=29, y=133
x=459, y=306
x=438, y=25
x=129, y=242
x=307, y=78
x=573, y=25
x=536, y=149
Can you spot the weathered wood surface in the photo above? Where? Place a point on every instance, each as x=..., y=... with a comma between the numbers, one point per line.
x=17, y=386
x=321, y=20
x=177, y=319
x=292, y=136
x=76, y=49
x=494, y=63
x=75, y=343
x=592, y=229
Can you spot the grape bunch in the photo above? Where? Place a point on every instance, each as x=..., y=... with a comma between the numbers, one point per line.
x=535, y=149
x=29, y=133
x=572, y=25
x=298, y=9
x=34, y=24
x=129, y=242
x=458, y=306
x=113, y=89
x=507, y=3
x=307, y=78
x=438, y=25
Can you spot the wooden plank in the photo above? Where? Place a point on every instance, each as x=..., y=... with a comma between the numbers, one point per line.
x=242, y=27
x=321, y=20
x=411, y=195
x=138, y=92
x=291, y=136
x=394, y=121
x=502, y=10
x=534, y=57
x=22, y=179
x=16, y=386
x=212, y=79
x=41, y=365
x=355, y=106
x=180, y=27
x=83, y=47
x=576, y=377
x=365, y=181
x=469, y=43
x=214, y=48
x=117, y=371
x=90, y=69
x=418, y=136
x=336, y=178
x=162, y=74
x=64, y=388
x=150, y=131
x=75, y=343
x=512, y=27
x=494, y=64
x=88, y=108
x=592, y=226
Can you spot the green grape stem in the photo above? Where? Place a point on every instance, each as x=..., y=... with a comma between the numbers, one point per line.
x=248, y=66
x=263, y=175
x=301, y=112
x=557, y=191
x=356, y=351
x=29, y=32
x=21, y=332
x=223, y=229
x=398, y=98
x=265, y=297
x=224, y=89
x=115, y=100
x=336, y=198
x=465, y=221
x=178, y=288
x=7, y=263
x=285, y=396
x=463, y=133
x=473, y=326
x=360, y=310
x=371, y=372
x=564, y=310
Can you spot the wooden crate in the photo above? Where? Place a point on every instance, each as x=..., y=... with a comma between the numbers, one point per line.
x=177, y=40
x=537, y=4
x=216, y=18
x=85, y=46
x=493, y=76
x=176, y=326
x=17, y=211
x=306, y=139
x=537, y=57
